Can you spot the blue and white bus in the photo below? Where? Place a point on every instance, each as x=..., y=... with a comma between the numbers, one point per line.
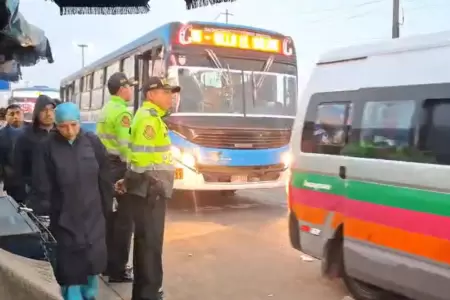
x=231, y=123
x=26, y=97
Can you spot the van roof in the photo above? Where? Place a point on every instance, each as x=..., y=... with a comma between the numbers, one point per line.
x=417, y=42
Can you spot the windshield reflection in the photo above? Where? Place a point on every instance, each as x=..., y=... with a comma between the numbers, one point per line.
x=210, y=90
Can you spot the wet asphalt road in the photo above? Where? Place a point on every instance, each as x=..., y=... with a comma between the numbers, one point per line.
x=234, y=248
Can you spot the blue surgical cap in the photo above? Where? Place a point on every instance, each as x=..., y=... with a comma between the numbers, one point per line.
x=67, y=111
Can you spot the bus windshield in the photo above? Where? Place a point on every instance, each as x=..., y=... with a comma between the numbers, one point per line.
x=225, y=91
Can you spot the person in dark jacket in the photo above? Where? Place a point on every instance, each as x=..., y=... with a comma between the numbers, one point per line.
x=42, y=124
x=8, y=137
x=2, y=117
x=71, y=177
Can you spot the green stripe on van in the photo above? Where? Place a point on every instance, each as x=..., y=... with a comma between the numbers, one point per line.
x=382, y=194
x=319, y=183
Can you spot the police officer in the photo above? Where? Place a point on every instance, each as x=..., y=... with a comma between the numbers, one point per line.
x=113, y=128
x=149, y=183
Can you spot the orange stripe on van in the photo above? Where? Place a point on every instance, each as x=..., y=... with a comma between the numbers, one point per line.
x=309, y=214
x=398, y=239
x=338, y=219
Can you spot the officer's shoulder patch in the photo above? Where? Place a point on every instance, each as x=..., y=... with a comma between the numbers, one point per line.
x=125, y=121
x=149, y=132
x=153, y=112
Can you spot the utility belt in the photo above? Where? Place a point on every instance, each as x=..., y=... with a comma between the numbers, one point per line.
x=150, y=183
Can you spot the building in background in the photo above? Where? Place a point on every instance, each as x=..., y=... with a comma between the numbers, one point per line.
x=26, y=97
x=5, y=92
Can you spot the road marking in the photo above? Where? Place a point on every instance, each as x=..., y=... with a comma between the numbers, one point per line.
x=241, y=205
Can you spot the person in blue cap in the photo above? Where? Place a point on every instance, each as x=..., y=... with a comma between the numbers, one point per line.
x=71, y=181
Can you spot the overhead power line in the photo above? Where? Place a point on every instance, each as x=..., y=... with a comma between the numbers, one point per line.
x=341, y=9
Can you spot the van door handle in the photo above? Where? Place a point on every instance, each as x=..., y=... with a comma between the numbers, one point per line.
x=343, y=172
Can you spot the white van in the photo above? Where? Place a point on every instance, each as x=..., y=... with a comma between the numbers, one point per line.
x=369, y=192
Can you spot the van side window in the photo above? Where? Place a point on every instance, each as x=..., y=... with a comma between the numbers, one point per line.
x=387, y=123
x=327, y=131
x=387, y=132
x=434, y=141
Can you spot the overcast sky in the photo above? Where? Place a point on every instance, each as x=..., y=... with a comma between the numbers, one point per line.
x=315, y=27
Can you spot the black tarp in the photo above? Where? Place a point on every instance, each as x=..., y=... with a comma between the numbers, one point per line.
x=21, y=43
x=19, y=234
x=120, y=7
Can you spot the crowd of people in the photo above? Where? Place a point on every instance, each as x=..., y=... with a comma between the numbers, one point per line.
x=59, y=170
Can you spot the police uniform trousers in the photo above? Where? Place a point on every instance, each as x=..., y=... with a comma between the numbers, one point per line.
x=149, y=220
x=119, y=225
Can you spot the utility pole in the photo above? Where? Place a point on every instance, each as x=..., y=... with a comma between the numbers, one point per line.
x=396, y=19
x=82, y=46
x=226, y=13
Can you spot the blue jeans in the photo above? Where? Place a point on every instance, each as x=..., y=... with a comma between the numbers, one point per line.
x=81, y=292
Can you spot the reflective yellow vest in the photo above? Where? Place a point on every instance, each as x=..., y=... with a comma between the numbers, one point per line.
x=150, y=145
x=113, y=127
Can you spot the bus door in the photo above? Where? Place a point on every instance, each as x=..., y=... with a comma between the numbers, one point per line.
x=151, y=63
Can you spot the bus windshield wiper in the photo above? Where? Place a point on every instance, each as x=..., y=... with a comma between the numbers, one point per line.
x=267, y=65
x=218, y=65
x=226, y=75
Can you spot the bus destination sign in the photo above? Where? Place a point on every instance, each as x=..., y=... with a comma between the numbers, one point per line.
x=237, y=39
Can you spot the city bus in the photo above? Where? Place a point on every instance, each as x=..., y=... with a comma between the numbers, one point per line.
x=231, y=123
x=26, y=97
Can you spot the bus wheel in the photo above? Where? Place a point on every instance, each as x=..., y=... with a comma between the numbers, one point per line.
x=228, y=193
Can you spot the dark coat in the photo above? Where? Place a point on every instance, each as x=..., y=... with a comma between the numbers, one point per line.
x=8, y=138
x=28, y=141
x=72, y=182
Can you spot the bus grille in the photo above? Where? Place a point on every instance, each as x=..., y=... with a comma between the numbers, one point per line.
x=252, y=173
x=241, y=138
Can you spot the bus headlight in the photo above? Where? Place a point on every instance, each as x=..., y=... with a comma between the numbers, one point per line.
x=188, y=160
x=185, y=158
x=176, y=152
x=286, y=159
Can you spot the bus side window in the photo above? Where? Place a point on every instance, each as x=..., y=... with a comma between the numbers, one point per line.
x=158, y=64
x=86, y=93
x=76, y=92
x=115, y=67
x=128, y=69
x=97, y=91
x=326, y=127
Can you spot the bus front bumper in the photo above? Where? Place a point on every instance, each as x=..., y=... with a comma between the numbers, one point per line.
x=210, y=178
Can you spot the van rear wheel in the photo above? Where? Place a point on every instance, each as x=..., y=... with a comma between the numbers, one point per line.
x=358, y=289
x=363, y=291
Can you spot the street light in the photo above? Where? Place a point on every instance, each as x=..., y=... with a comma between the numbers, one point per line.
x=82, y=46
